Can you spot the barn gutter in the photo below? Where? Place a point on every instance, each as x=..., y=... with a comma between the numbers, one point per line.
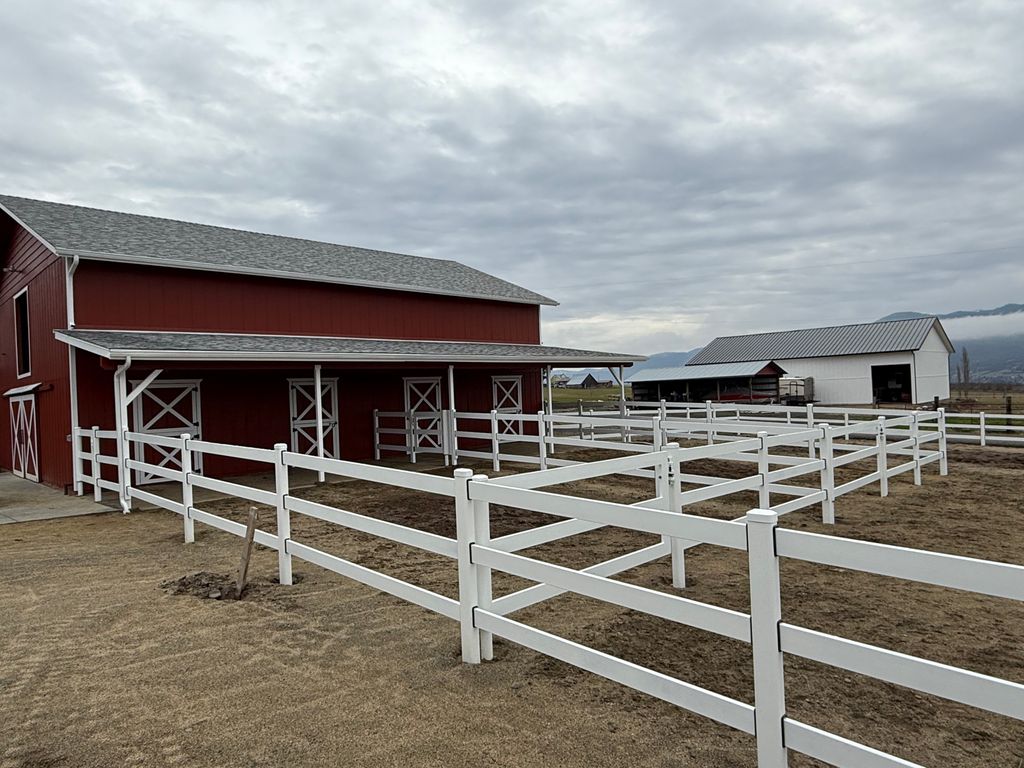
x=76, y=448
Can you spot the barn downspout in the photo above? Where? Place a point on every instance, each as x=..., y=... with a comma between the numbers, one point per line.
x=121, y=425
x=76, y=448
x=318, y=387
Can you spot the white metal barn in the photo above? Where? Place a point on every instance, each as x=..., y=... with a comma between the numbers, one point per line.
x=887, y=362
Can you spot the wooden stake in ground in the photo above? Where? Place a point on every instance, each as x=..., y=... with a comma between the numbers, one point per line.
x=243, y=566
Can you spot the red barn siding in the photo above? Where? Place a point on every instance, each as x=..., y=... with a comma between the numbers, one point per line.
x=32, y=264
x=121, y=296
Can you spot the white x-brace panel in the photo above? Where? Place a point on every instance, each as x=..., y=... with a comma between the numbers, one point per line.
x=24, y=437
x=302, y=405
x=423, y=395
x=507, y=397
x=168, y=408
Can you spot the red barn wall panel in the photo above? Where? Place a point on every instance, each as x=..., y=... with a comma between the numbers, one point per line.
x=133, y=297
x=250, y=407
x=30, y=263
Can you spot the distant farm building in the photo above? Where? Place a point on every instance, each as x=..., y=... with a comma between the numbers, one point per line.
x=585, y=380
x=896, y=361
x=135, y=323
x=747, y=382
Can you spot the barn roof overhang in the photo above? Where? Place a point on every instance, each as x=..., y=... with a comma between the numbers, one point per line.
x=237, y=347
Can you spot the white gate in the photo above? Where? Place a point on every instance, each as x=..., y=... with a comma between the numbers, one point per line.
x=24, y=438
x=171, y=409
x=507, y=397
x=302, y=404
x=423, y=396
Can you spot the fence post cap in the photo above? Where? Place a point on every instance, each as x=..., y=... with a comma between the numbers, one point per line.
x=185, y=436
x=481, y=478
x=280, y=446
x=463, y=472
x=670, y=446
x=763, y=516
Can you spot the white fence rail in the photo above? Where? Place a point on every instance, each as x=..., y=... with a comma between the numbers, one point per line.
x=895, y=444
x=481, y=615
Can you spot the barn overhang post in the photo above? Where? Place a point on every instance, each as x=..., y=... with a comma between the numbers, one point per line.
x=551, y=402
x=453, y=439
x=318, y=388
x=122, y=400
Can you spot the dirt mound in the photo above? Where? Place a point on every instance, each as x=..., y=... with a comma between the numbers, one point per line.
x=217, y=586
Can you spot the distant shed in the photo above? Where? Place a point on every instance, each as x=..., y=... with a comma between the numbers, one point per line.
x=750, y=382
x=586, y=380
x=892, y=361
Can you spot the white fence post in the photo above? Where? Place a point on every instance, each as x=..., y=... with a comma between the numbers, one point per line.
x=981, y=426
x=709, y=411
x=828, y=476
x=662, y=410
x=542, y=444
x=495, y=443
x=810, y=425
x=656, y=435
x=97, y=468
x=943, y=459
x=465, y=534
x=412, y=435
x=883, y=459
x=284, y=520
x=915, y=435
x=186, y=488
x=763, y=493
x=765, y=616
x=579, y=412
x=846, y=423
x=482, y=521
x=674, y=503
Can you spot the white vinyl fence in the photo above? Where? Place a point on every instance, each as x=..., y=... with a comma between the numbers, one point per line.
x=878, y=450
x=1005, y=429
x=482, y=615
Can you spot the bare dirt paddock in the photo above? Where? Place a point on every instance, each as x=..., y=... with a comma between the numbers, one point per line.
x=100, y=665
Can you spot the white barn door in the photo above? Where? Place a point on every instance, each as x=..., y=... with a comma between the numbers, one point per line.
x=168, y=408
x=24, y=437
x=423, y=396
x=302, y=405
x=507, y=397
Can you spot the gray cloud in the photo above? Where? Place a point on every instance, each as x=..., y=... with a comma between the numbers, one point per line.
x=669, y=171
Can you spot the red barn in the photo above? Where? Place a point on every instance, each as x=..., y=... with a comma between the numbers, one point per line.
x=153, y=325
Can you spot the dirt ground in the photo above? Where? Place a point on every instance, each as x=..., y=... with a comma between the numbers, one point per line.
x=102, y=664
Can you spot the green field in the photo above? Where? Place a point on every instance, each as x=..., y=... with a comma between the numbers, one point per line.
x=572, y=396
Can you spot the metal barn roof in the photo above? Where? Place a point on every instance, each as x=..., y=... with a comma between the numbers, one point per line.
x=864, y=339
x=91, y=233
x=691, y=373
x=166, y=345
x=580, y=376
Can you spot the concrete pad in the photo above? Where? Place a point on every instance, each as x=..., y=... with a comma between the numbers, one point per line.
x=24, y=501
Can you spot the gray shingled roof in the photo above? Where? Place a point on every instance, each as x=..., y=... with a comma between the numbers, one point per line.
x=91, y=233
x=693, y=372
x=155, y=345
x=864, y=339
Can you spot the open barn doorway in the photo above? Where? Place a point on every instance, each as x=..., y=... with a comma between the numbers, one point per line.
x=891, y=383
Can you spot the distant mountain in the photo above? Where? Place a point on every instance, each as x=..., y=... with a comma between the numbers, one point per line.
x=1006, y=309
x=996, y=358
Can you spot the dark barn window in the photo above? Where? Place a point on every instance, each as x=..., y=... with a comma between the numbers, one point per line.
x=21, y=333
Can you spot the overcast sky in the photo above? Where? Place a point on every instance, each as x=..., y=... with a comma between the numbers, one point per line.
x=668, y=171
